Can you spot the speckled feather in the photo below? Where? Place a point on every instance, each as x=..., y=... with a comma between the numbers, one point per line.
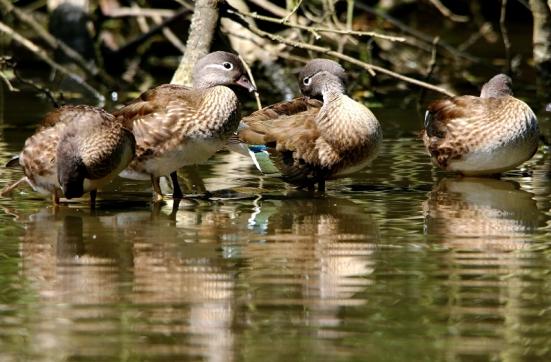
x=38, y=157
x=101, y=143
x=97, y=134
x=167, y=117
x=309, y=142
x=459, y=127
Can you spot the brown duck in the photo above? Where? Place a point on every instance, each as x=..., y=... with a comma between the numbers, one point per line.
x=482, y=135
x=77, y=149
x=308, y=141
x=177, y=126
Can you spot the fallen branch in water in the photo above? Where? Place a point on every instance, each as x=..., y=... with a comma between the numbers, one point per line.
x=42, y=54
x=235, y=15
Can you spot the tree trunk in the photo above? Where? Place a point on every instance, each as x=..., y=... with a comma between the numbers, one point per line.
x=201, y=32
x=541, y=12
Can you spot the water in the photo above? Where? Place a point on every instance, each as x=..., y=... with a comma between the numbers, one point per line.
x=398, y=263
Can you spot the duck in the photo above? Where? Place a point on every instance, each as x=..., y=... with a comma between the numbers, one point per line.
x=176, y=126
x=320, y=136
x=77, y=149
x=481, y=136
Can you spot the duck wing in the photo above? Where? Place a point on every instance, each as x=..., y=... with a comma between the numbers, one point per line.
x=158, y=115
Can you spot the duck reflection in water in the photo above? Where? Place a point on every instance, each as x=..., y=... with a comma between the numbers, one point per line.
x=321, y=246
x=480, y=213
x=91, y=264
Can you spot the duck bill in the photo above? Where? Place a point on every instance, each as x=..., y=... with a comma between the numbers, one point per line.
x=244, y=82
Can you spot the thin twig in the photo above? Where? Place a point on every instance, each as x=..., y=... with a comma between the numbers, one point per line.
x=433, y=54
x=504, y=34
x=7, y=62
x=430, y=68
x=250, y=74
x=134, y=43
x=294, y=10
x=137, y=11
x=41, y=53
x=237, y=16
x=484, y=29
x=322, y=30
x=170, y=36
x=49, y=94
x=140, y=19
x=448, y=13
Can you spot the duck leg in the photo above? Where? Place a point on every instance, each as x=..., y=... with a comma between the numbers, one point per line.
x=157, y=194
x=55, y=197
x=321, y=186
x=176, y=190
x=193, y=182
x=93, y=195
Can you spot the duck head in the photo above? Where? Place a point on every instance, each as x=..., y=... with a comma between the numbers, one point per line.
x=71, y=170
x=220, y=68
x=319, y=76
x=499, y=86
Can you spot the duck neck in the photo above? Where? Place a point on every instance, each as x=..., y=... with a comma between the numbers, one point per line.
x=332, y=88
x=201, y=84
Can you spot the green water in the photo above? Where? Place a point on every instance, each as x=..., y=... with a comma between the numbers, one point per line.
x=398, y=263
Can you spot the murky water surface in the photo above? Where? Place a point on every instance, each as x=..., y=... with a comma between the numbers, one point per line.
x=398, y=263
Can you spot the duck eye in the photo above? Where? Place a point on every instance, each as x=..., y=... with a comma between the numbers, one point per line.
x=307, y=81
x=228, y=65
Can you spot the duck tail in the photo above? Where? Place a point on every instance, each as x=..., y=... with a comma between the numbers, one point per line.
x=7, y=190
x=262, y=159
x=234, y=144
x=14, y=162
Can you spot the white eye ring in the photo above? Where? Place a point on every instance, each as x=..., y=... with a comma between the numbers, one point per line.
x=227, y=65
x=307, y=80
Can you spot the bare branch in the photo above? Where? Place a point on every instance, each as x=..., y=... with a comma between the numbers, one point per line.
x=288, y=16
x=315, y=29
x=250, y=74
x=54, y=43
x=504, y=34
x=201, y=31
x=233, y=14
x=6, y=62
x=417, y=34
x=42, y=54
x=448, y=13
x=137, y=11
